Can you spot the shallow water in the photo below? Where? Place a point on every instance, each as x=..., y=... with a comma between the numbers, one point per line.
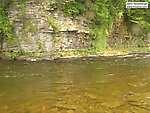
x=87, y=85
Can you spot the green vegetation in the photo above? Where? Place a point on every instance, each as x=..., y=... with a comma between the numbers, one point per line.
x=80, y=53
x=40, y=45
x=5, y=27
x=53, y=23
x=21, y=6
x=102, y=14
x=73, y=8
x=17, y=54
x=53, y=3
x=28, y=25
x=103, y=17
x=96, y=52
x=56, y=40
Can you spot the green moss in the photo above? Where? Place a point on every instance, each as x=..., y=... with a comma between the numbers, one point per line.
x=53, y=3
x=21, y=6
x=53, y=23
x=29, y=53
x=56, y=40
x=11, y=54
x=17, y=54
x=40, y=46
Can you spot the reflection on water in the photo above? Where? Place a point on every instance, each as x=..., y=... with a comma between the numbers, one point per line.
x=90, y=85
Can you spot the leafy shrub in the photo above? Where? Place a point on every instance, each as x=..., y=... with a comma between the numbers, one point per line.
x=5, y=27
x=73, y=8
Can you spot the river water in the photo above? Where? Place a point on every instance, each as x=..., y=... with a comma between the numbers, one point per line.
x=87, y=85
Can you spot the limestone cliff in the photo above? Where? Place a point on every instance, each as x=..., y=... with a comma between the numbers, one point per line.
x=43, y=28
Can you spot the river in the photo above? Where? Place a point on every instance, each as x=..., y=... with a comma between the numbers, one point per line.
x=88, y=85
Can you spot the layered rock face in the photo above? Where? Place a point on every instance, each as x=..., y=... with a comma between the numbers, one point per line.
x=43, y=28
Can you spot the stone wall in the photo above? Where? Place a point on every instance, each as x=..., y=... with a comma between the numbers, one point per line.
x=43, y=28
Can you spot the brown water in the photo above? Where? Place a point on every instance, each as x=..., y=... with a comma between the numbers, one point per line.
x=88, y=85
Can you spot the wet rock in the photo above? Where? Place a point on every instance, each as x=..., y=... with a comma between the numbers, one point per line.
x=112, y=104
x=72, y=56
x=6, y=58
x=140, y=84
x=63, y=107
x=92, y=96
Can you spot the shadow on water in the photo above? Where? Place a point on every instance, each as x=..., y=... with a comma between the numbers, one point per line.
x=91, y=85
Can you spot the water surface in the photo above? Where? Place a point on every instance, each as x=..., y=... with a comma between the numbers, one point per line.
x=87, y=85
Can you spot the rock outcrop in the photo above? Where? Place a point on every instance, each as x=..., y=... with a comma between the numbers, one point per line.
x=44, y=28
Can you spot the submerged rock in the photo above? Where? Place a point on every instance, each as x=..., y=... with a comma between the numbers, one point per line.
x=112, y=104
x=141, y=100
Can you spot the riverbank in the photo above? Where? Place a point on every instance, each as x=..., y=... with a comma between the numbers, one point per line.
x=30, y=56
